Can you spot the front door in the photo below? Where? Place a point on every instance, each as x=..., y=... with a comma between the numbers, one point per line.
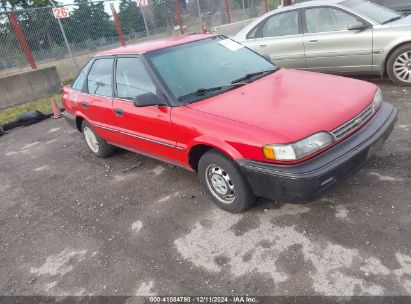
x=331, y=47
x=97, y=103
x=280, y=38
x=146, y=130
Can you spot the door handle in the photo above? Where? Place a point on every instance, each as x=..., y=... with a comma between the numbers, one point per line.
x=84, y=104
x=262, y=45
x=313, y=41
x=119, y=112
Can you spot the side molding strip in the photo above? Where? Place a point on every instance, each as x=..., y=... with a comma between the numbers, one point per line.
x=140, y=137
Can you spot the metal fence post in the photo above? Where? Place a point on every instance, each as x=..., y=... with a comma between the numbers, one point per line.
x=227, y=9
x=22, y=39
x=145, y=21
x=243, y=6
x=118, y=25
x=199, y=14
x=66, y=40
x=178, y=16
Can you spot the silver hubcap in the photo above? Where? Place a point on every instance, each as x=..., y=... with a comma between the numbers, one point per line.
x=91, y=139
x=402, y=67
x=220, y=184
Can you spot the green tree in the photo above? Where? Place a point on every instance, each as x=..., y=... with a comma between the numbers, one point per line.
x=89, y=22
x=131, y=18
x=164, y=13
x=39, y=26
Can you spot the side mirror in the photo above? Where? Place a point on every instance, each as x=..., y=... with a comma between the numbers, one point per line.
x=357, y=26
x=148, y=99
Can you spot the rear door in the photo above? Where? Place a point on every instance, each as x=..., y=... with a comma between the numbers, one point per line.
x=97, y=103
x=280, y=37
x=146, y=130
x=330, y=46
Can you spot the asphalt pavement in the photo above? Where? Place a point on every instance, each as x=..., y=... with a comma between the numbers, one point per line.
x=74, y=224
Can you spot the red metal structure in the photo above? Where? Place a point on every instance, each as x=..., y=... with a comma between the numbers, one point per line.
x=266, y=5
x=228, y=10
x=118, y=25
x=178, y=16
x=23, y=42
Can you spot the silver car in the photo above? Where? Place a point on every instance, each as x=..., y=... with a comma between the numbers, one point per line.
x=335, y=36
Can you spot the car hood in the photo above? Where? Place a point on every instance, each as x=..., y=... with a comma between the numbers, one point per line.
x=293, y=104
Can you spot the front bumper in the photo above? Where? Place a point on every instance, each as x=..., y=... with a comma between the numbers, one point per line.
x=307, y=180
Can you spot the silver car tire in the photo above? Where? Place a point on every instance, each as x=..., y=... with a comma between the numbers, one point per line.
x=96, y=144
x=224, y=182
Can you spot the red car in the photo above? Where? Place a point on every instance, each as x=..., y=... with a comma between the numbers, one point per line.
x=213, y=106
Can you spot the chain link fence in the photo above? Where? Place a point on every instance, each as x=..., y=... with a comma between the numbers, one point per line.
x=34, y=38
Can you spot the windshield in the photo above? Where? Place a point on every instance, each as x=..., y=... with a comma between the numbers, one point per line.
x=374, y=11
x=215, y=62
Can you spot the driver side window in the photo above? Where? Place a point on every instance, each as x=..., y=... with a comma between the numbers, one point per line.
x=326, y=19
x=132, y=79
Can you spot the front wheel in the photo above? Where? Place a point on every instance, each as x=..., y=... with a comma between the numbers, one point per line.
x=96, y=144
x=399, y=66
x=224, y=182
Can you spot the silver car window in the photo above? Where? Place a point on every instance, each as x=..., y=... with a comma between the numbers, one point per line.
x=326, y=19
x=378, y=13
x=281, y=25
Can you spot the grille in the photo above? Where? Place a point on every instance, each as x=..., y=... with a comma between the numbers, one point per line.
x=354, y=123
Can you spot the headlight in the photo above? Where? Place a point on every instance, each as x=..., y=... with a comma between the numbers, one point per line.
x=299, y=149
x=378, y=99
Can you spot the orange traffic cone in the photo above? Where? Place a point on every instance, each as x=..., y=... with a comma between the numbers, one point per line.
x=56, y=110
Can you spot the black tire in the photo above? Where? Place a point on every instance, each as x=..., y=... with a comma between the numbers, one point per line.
x=104, y=149
x=393, y=60
x=239, y=198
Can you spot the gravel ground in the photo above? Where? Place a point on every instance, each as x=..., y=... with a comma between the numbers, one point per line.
x=73, y=224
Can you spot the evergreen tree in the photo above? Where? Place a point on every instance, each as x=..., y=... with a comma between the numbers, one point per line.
x=131, y=18
x=89, y=22
x=39, y=26
x=164, y=13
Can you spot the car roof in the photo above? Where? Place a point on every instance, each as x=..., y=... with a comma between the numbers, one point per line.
x=310, y=3
x=144, y=47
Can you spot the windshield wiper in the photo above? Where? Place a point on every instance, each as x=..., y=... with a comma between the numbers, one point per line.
x=393, y=19
x=202, y=91
x=252, y=75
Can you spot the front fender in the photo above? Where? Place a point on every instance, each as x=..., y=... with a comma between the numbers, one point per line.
x=217, y=144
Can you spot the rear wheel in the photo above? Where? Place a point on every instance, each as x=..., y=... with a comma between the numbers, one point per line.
x=399, y=66
x=224, y=182
x=96, y=144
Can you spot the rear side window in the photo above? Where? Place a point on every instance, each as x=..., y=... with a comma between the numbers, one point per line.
x=100, y=78
x=80, y=81
x=132, y=79
x=281, y=25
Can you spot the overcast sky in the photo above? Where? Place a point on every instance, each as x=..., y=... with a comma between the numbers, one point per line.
x=106, y=5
